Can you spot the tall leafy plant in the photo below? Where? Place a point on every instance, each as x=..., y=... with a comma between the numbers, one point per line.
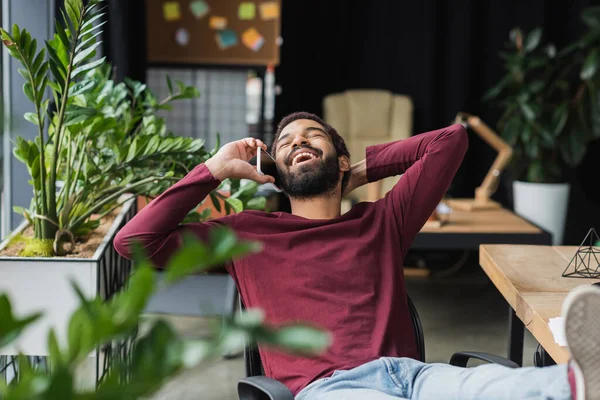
x=549, y=100
x=159, y=353
x=99, y=142
x=71, y=53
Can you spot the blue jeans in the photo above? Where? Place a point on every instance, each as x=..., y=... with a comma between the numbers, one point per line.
x=390, y=378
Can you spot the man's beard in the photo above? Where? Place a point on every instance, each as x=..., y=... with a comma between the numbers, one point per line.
x=308, y=181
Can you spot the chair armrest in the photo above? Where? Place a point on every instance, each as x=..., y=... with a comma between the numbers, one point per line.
x=263, y=388
x=461, y=359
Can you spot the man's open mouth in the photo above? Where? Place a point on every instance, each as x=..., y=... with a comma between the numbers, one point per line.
x=303, y=156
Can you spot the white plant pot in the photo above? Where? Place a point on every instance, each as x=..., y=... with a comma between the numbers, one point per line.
x=43, y=284
x=544, y=204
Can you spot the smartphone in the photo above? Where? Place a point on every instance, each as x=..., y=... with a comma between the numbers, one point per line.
x=265, y=164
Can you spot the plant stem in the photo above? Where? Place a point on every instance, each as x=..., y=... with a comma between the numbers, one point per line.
x=42, y=192
x=59, y=128
x=113, y=197
x=68, y=174
x=80, y=167
x=104, y=214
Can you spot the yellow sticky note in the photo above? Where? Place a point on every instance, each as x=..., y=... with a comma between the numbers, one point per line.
x=269, y=10
x=252, y=39
x=246, y=11
x=218, y=23
x=171, y=11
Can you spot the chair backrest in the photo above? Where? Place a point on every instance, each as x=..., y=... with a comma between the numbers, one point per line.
x=365, y=117
x=254, y=365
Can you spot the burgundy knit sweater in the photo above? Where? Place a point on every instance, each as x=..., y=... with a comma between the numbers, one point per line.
x=344, y=274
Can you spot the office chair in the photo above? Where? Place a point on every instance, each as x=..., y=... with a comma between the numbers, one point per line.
x=256, y=386
x=365, y=117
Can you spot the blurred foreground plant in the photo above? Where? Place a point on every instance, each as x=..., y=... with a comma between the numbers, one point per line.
x=159, y=354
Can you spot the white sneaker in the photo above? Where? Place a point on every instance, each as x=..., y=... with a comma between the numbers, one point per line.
x=581, y=313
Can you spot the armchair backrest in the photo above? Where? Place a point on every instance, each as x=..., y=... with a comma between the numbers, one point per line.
x=366, y=117
x=254, y=365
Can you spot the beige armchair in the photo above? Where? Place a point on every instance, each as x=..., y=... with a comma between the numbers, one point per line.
x=367, y=117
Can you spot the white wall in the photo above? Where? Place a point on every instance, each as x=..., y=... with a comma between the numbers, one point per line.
x=37, y=17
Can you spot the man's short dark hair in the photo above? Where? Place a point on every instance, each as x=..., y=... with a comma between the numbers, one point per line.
x=336, y=139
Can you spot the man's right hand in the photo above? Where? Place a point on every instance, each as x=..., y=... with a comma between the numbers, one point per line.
x=232, y=161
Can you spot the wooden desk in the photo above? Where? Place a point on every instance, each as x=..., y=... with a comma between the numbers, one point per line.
x=530, y=279
x=469, y=229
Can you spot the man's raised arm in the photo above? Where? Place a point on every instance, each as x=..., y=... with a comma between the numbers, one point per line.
x=157, y=227
x=428, y=161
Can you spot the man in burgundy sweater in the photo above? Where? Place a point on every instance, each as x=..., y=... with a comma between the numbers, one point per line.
x=342, y=272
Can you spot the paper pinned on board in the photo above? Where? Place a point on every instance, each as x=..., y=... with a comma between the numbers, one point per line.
x=246, y=10
x=182, y=37
x=217, y=23
x=557, y=327
x=269, y=10
x=226, y=39
x=253, y=39
x=199, y=8
x=171, y=11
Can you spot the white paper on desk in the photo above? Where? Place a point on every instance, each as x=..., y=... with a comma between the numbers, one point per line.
x=557, y=326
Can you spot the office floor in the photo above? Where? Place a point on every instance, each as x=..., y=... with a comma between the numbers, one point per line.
x=461, y=313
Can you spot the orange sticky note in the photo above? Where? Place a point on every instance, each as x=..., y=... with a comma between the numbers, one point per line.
x=218, y=23
x=171, y=11
x=269, y=10
x=252, y=39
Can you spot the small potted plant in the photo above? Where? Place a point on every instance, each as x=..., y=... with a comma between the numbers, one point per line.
x=550, y=112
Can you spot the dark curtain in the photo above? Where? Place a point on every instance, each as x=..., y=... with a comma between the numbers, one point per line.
x=444, y=54
x=124, y=38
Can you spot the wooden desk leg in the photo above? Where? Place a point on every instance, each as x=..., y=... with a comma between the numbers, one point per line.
x=516, y=335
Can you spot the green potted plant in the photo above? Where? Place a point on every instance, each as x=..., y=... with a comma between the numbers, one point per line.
x=159, y=353
x=550, y=112
x=100, y=144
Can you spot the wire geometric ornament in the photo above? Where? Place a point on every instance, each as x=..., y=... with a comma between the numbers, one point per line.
x=586, y=261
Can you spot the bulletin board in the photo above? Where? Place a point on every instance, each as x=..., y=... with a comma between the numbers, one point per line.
x=213, y=32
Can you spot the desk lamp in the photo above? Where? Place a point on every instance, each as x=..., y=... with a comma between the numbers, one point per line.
x=489, y=185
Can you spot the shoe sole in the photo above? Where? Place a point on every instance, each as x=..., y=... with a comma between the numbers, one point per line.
x=581, y=310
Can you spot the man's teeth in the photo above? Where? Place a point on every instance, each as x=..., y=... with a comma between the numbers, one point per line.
x=299, y=155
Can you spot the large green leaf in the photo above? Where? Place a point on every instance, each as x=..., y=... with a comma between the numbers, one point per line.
x=61, y=385
x=590, y=65
x=560, y=117
x=535, y=172
x=302, y=339
x=532, y=147
x=193, y=257
x=536, y=86
x=594, y=112
x=87, y=67
x=533, y=40
x=512, y=130
x=257, y=203
x=236, y=204
x=11, y=326
x=82, y=87
x=86, y=53
x=591, y=16
x=215, y=202
x=528, y=111
x=573, y=149
x=495, y=91
x=33, y=118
